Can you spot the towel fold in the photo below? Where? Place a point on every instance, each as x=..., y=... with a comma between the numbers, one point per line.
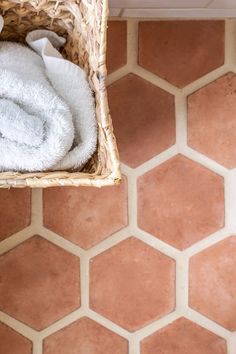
x=47, y=114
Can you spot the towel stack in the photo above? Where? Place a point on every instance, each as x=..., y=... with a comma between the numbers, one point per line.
x=47, y=114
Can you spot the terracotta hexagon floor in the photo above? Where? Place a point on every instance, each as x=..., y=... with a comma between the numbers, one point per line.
x=148, y=267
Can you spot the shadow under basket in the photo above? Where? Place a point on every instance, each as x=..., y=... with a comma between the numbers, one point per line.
x=84, y=25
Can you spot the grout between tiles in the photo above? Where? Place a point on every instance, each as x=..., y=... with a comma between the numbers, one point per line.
x=61, y=242
x=18, y=326
x=134, y=346
x=132, y=43
x=181, y=257
x=232, y=344
x=36, y=207
x=181, y=120
x=37, y=346
x=56, y=326
x=205, y=322
x=182, y=268
x=230, y=201
x=84, y=281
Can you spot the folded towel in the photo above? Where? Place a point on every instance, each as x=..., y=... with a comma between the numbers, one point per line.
x=36, y=128
x=47, y=115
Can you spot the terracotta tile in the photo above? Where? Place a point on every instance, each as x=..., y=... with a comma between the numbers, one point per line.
x=116, y=45
x=39, y=283
x=14, y=211
x=183, y=337
x=85, y=337
x=212, y=120
x=86, y=216
x=180, y=202
x=12, y=342
x=132, y=284
x=212, y=283
x=144, y=119
x=181, y=51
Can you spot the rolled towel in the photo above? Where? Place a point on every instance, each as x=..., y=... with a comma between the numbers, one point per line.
x=47, y=114
x=36, y=127
x=70, y=81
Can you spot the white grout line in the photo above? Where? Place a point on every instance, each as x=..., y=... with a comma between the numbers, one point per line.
x=117, y=75
x=182, y=268
x=108, y=324
x=155, y=80
x=57, y=326
x=181, y=120
x=206, y=79
x=205, y=322
x=61, y=242
x=132, y=43
x=126, y=170
x=204, y=161
x=134, y=346
x=84, y=281
x=232, y=344
x=132, y=200
x=36, y=207
x=18, y=326
x=37, y=346
x=16, y=239
x=230, y=201
x=155, y=161
x=156, y=325
x=109, y=242
x=157, y=243
x=206, y=242
x=230, y=46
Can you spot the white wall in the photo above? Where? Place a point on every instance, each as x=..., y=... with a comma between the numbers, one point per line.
x=173, y=8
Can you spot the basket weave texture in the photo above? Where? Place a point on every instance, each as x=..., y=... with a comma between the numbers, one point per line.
x=84, y=25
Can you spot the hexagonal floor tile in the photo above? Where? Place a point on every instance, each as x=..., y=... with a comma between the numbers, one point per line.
x=132, y=284
x=180, y=202
x=183, y=337
x=40, y=283
x=143, y=116
x=181, y=51
x=116, y=45
x=86, y=216
x=86, y=337
x=212, y=120
x=12, y=342
x=212, y=283
x=14, y=210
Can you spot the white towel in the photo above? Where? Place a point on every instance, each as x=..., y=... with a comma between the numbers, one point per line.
x=47, y=115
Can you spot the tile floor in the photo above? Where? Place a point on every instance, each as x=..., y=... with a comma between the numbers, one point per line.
x=148, y=267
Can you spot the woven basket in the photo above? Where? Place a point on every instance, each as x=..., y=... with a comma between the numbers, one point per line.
x=83, y=23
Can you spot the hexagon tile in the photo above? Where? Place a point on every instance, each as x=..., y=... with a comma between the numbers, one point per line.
x=181, y=51
x=183, y=337
x=212, y=120
x=85, y=336
x=116, y=45
x=132, y=292
x=142, y=127
x=180, y=202
x=148, y=266
x=39, y=283
x=212, y=283
x=87, y=209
